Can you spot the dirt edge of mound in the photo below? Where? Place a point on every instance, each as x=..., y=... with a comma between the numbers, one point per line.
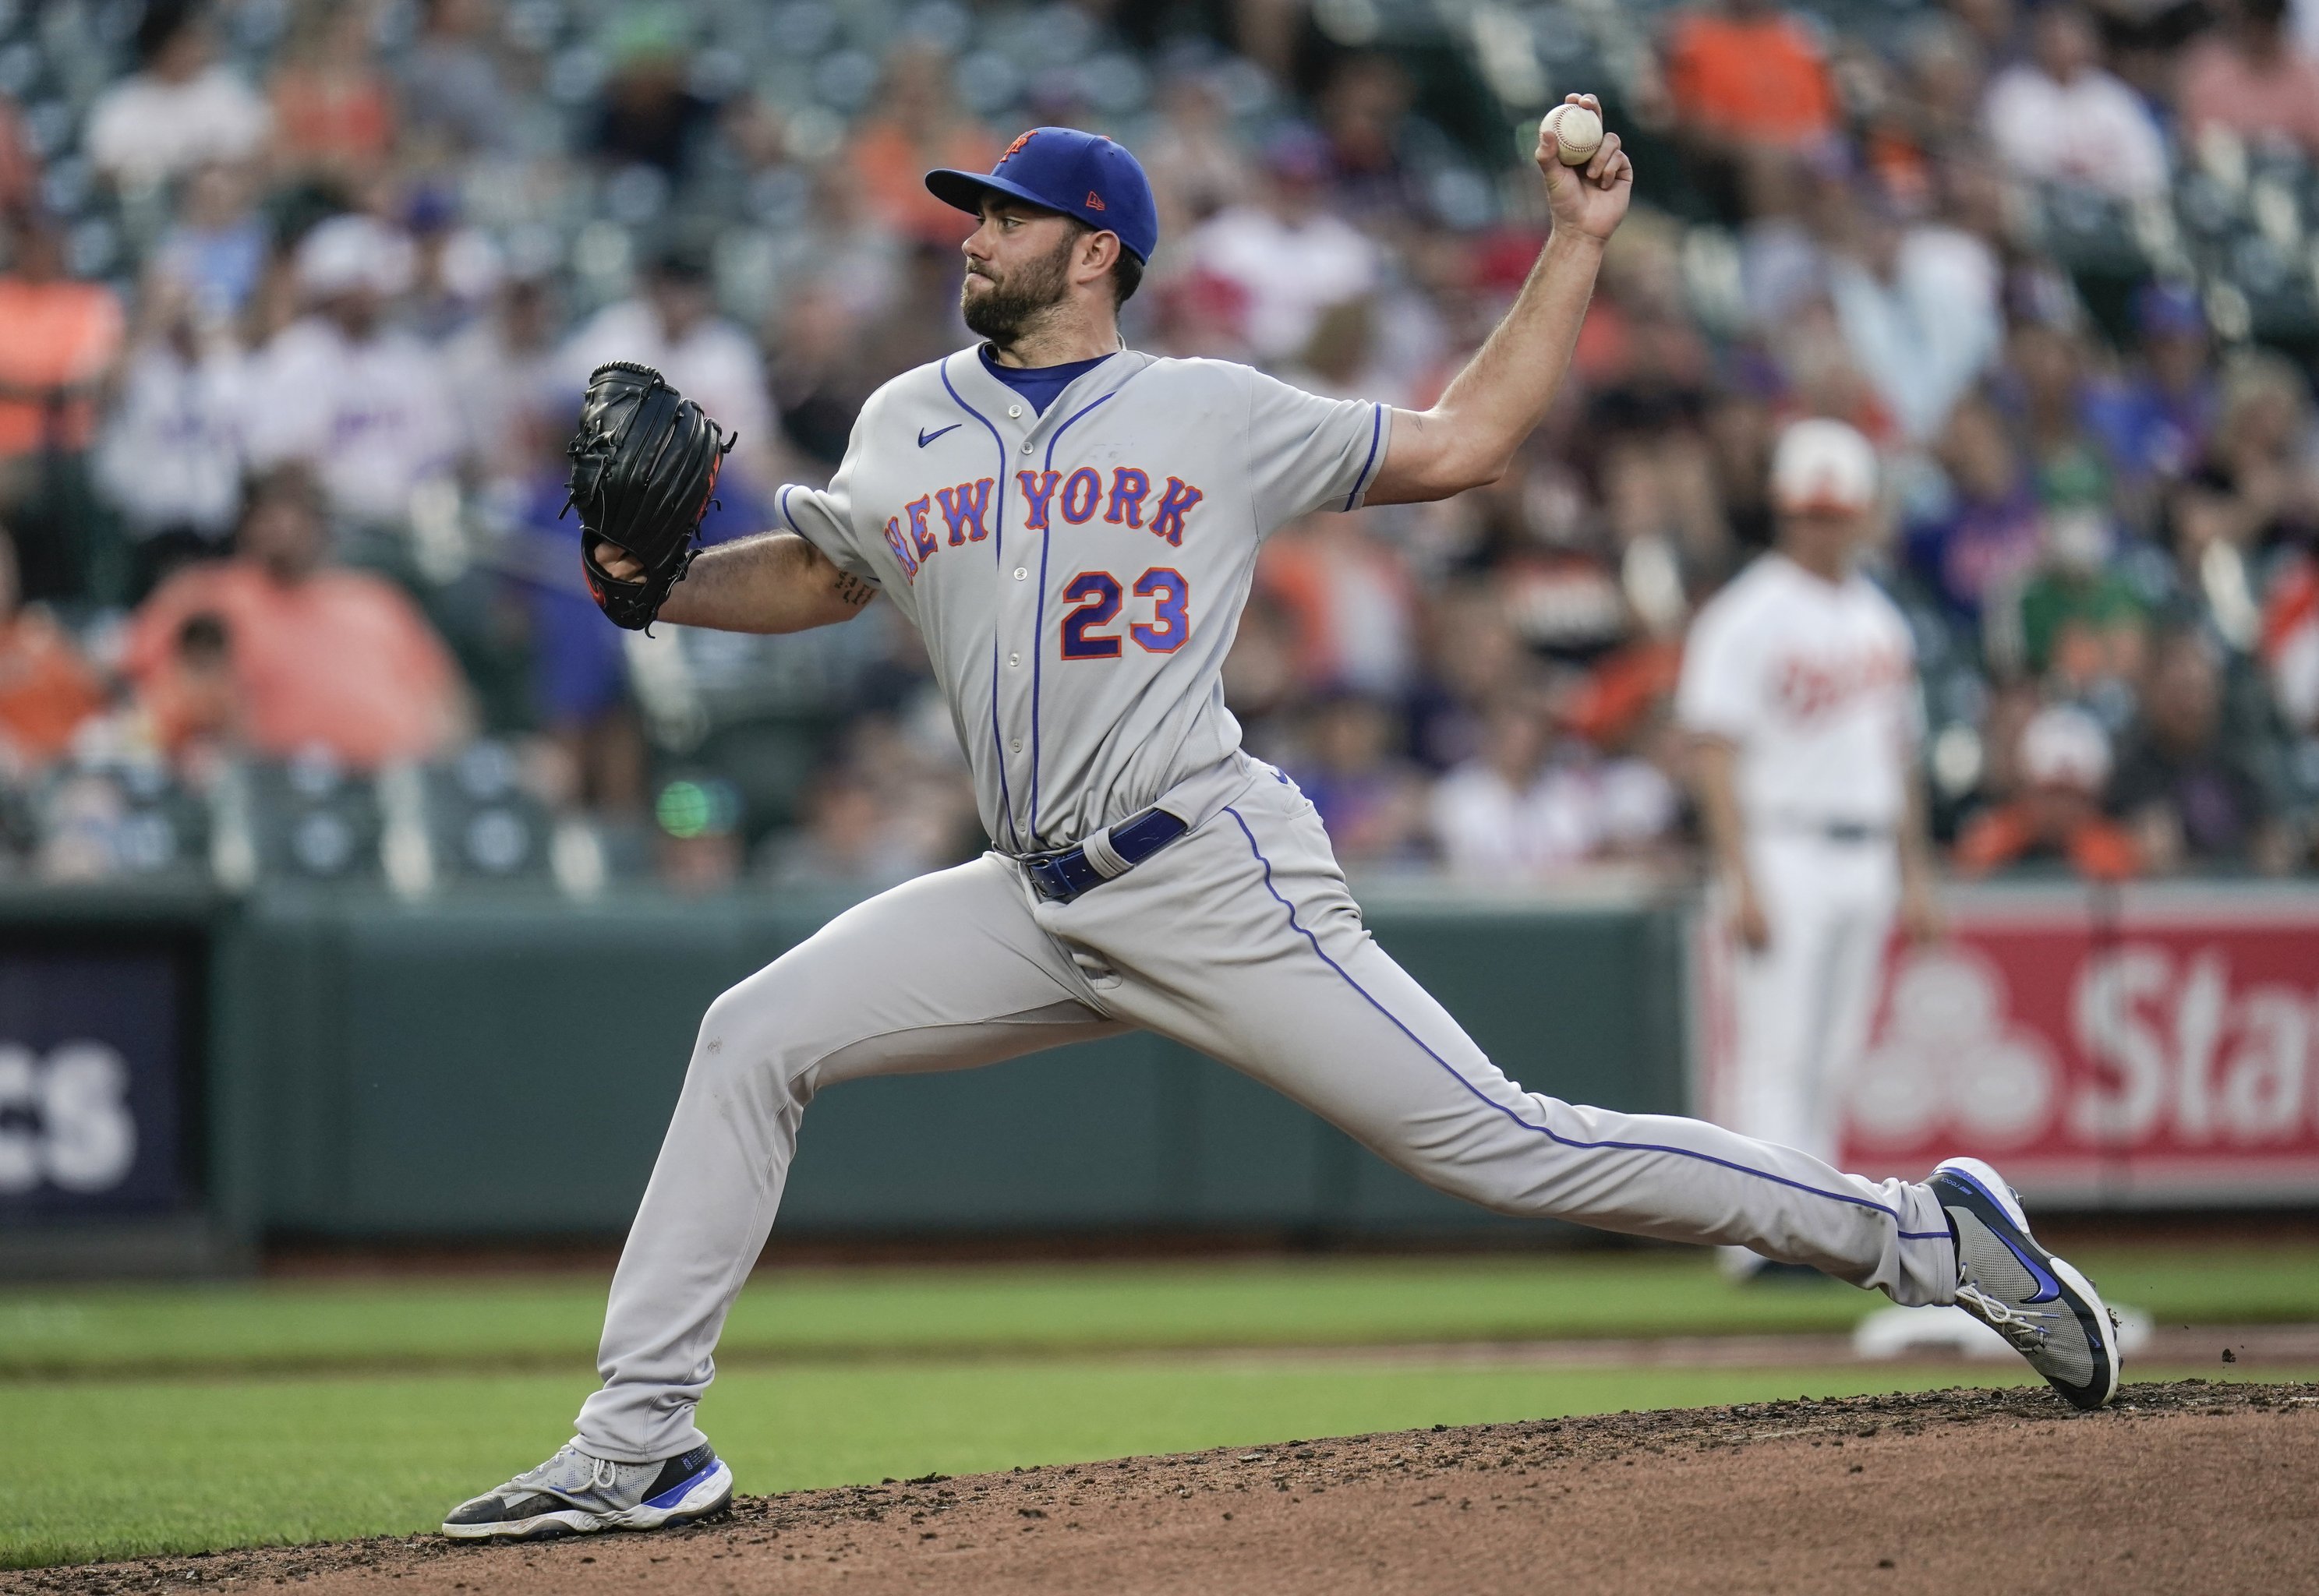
x=820, y=1519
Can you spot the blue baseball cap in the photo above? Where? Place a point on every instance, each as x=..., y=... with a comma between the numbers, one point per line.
x=1084, y=176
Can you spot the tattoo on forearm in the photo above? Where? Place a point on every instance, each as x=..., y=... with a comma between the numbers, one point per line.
x=852, y=589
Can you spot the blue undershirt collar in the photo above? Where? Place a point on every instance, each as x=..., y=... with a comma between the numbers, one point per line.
x=1038, y=384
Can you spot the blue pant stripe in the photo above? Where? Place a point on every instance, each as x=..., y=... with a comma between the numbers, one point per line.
x=1547, y=1131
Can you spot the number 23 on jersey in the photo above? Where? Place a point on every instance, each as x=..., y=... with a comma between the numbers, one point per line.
x=1098, y=597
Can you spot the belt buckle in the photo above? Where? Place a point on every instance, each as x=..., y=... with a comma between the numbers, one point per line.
x=1047, y=878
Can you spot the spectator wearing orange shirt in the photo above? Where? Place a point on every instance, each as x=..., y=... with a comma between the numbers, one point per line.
x=919, y=126
x=62, y=338
x=2063, y=758
x=322, y=657
x=1750, y=93
x=333, y=110
x=46, y=689
x=1351, y=601
x=1748, y=73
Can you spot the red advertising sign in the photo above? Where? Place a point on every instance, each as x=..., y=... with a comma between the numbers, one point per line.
x=2153, y=1045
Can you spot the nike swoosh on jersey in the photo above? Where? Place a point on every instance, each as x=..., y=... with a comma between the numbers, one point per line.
x=925, y=437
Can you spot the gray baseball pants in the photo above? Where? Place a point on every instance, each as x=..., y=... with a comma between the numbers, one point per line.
x=1239, y=940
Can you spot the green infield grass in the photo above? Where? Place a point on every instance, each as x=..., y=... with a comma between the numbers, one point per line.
x=549, y=1322
x=159, y=1418
x=116, y=1468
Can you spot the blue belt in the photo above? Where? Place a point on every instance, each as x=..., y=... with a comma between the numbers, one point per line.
x=1853, y=831
x=1063, y=875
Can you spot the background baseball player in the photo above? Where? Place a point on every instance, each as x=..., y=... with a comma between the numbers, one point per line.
x=1799, y=688
x=1072, y=527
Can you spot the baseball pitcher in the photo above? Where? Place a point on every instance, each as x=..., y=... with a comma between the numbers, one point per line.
x=1071, y=525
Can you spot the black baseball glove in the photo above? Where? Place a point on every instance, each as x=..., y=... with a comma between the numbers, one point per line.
x=643, y=469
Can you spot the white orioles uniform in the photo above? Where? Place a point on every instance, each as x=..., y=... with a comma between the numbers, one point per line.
x=1814, y=683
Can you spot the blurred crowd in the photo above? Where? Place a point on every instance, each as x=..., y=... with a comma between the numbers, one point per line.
x=299, y=297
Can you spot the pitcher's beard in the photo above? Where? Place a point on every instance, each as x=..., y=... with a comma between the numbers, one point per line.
x=1004, y=310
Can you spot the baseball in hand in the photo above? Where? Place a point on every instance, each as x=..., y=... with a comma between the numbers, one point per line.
x=1577, y=133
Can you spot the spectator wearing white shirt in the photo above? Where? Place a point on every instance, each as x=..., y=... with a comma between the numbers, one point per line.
x=504, y=369
x=1919, y=310
x=169, y=458
x=362, y=402
x=674, y=327
x=1287, y=254
x=1630, y=806
x=180, y=110
x=1511, y=814
x=2060, y=117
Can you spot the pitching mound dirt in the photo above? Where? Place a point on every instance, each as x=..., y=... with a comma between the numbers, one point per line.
x=2185, y=1486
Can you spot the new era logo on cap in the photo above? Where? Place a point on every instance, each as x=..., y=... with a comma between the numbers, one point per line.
x=1078, y=172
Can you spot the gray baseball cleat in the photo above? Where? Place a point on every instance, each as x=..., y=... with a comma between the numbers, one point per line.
x=2050, y=1312
x=575, y=1493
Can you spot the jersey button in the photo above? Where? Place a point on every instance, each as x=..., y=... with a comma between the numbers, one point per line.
x=1014, y=659
x=1026, y=446
x=1018, y=744
x=1014, y=412
x=1021, y=574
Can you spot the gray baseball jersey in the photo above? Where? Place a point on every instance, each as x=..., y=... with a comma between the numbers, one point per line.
x=1078, y=573
x=1077, y=576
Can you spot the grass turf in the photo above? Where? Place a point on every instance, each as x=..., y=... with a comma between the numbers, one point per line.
x=827, y=1314
x=118, y=1468
x=159, y=1418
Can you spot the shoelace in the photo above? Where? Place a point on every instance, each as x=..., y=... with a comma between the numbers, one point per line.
x=603, y=1474
x=2017, y=1326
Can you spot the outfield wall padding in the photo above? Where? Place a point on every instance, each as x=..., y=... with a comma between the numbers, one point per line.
x=505, y=1066
x=499, y=1067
